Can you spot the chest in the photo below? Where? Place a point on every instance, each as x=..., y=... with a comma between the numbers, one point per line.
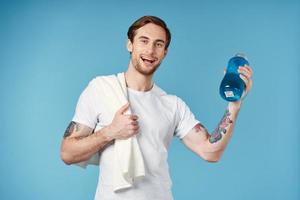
x=156, y=118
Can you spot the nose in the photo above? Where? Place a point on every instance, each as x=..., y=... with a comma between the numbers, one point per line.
x=150, y=48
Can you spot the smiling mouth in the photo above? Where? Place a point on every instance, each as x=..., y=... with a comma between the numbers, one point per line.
x=148, y=60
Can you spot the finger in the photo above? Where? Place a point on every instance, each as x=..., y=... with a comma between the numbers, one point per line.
x=244, y=78
x=244, y=68
x=135, y=123
x=133, y=127
x=245, y=72
x=133, y=132
x=225, y=69
x=136, y=130
x=248, y=69
x=248, y=82
x=133, y=117
x=123, y=108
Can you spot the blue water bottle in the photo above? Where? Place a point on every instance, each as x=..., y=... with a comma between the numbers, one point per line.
x=232, y=86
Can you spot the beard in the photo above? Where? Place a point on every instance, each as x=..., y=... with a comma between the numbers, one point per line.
x=144, y=70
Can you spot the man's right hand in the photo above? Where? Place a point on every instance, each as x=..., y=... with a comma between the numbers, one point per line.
x=123, y=125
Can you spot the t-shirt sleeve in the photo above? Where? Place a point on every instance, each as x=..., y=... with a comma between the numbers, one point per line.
x=185, y=119
x=85, y=108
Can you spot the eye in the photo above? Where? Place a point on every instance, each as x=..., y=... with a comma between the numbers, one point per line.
x=144, y=41
x=159, y=45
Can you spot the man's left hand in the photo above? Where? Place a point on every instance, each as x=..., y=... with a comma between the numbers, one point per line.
x=246, y=73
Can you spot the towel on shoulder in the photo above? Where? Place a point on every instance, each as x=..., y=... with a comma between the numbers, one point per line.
x=128, y=160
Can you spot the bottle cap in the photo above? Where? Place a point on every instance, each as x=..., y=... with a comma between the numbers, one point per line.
x=241, y=55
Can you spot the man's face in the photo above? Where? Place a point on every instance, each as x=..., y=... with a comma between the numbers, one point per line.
x=148, y=48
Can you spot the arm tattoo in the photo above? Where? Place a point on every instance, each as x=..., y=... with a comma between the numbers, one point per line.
x=199, y=128
x=73, y=126
x=221, y=129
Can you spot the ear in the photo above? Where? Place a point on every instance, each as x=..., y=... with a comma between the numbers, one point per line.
x=129, y=46
x=166, y=52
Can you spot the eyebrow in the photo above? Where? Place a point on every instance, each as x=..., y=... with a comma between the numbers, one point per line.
x=158, y=40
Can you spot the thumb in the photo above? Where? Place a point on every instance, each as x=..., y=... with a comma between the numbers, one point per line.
x=123, y=109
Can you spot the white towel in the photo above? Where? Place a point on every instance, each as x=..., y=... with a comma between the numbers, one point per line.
x=128, y=160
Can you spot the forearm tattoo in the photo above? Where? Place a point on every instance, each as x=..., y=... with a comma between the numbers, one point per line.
x=73, y=127
x=221, y=128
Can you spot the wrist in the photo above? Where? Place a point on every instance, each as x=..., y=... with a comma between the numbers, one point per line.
x=106, y=133
x=236, y=106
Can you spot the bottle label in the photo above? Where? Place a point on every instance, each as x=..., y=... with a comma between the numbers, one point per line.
x=228, y=94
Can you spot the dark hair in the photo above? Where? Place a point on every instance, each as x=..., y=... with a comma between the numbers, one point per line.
x=146, y=20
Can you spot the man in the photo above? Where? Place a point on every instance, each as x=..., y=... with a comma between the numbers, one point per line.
x=157, y=116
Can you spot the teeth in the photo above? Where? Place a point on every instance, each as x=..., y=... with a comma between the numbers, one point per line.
x=148, y=60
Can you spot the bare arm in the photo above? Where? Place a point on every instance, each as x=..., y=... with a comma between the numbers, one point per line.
x=211, y=146
x=80, y=143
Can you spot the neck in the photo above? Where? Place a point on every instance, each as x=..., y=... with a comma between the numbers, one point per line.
x=137, y=81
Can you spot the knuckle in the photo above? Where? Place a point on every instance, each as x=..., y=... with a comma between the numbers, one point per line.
x=126, y=135
x=132, y=127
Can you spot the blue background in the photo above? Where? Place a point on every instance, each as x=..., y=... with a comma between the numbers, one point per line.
x=50, y=50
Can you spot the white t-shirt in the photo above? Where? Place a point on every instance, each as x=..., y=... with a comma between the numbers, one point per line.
x=161, y=116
